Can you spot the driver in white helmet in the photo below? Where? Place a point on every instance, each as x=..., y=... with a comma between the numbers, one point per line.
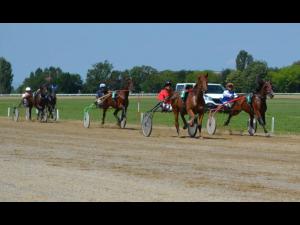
x=26, y=95
x=101, y=92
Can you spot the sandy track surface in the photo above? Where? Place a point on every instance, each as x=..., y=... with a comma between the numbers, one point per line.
x=65, y=162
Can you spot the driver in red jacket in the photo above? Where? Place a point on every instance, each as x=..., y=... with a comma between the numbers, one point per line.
x=163, y=96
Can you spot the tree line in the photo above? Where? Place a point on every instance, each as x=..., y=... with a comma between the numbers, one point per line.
x=148, y=79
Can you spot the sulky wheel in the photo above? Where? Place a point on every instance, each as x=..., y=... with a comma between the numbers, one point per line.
x=15, y=114
x=86, y=120
x=211, y=125
x=147, y=124
x=192, y=130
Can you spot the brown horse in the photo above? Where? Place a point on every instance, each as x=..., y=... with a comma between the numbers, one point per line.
x=257, y=107
x=194, y=104
x=40, y=102
x=120, y=102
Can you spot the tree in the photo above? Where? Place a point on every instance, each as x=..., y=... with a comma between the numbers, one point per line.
x=286, y=79
x=224, y=74
x=243, y=60
x=246, y=80
x=100, y=72
x=6, y=76
x=256, y=71
x=140, y=74
x=66, y=82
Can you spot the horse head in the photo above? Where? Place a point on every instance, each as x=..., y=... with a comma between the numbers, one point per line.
x=267, y=88
x=201, y=84
x=128, y=84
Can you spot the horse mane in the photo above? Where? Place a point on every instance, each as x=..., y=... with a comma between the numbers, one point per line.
x=260, y=84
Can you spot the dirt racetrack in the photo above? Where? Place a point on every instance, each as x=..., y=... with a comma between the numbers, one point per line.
x=65, y=162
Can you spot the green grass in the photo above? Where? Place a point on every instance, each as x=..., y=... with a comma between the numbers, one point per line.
x=286, y=113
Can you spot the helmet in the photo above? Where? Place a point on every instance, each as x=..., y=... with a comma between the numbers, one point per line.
x=168, y=83
x=28, y=89
x=102, y=85
x=229, y=85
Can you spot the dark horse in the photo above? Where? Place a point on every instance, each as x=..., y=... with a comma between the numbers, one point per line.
x=257, y=106
x=40, y=102
x=194, y=104
x=120, y=102
x=51, y=101
x=27, y=102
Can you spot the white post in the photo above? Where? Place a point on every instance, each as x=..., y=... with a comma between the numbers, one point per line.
x=36, y=111
x=138, y=106
x=57, y=114
x=273, y=123
x=8, y=112
x=142, y=114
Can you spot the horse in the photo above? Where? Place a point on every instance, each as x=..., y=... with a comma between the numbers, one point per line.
x=257, y=106
x=120, y=102
x=40, y=102
x=27, y=102
x=51, y=101
x=194, y=104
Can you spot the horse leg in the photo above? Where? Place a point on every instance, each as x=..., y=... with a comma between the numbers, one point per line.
x=184, y=120
x=231, y=114
x=116, y=116
x=251, y=122
x=103, y=115
x=200, y=118
x=30, y=108
x=260, y=118
x=176, y=121
x=228, y=119
x=192, y=117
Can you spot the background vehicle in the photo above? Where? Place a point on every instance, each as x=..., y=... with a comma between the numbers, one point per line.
x=213, y=95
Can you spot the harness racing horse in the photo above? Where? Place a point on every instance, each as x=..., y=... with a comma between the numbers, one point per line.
x=40, y=103
x=194, y=104
x=257, y=106
x=120, y=102
x=51, y=102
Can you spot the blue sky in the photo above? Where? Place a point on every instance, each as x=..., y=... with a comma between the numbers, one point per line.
x=197, y=46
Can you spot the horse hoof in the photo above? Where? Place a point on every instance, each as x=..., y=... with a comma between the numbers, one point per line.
x=268, y=135
x=184, y=127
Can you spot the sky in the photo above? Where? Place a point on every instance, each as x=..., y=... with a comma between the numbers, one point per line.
x=75, y=47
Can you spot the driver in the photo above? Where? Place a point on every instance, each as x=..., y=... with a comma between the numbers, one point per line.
x=26, y=94
x=164, y=96
x=228, y=95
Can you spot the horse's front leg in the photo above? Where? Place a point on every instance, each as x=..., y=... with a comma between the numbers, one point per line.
x=184, y=120
x=116, y=116
x=192, y=117
x=176, y=113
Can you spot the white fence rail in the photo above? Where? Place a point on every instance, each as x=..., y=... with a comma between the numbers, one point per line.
x=131, y=94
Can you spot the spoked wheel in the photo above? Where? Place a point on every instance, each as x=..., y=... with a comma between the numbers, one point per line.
x=252, y=130
x=211, y=125
x=147, y=124
x=86, y=120
x=192, y=130
x=27, y=113
x=15, y=114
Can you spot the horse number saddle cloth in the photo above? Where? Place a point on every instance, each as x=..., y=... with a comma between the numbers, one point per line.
x=249, y=98
x=184, y=95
